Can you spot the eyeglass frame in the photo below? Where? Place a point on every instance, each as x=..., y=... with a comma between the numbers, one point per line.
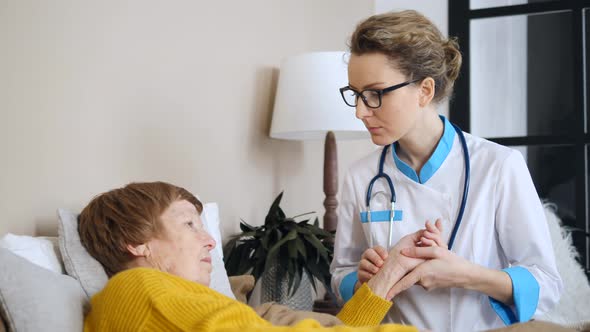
x=380, y=93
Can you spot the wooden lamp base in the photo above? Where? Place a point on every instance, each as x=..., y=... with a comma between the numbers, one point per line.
x=328, y=304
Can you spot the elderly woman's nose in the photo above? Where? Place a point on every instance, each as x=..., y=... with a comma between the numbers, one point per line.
x=209, y=241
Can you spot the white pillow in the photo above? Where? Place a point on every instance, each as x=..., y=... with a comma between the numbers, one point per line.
x=80, y=265
x=219, y=279
x=37, y=250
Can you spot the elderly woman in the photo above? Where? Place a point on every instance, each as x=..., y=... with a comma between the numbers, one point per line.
x=150, y=240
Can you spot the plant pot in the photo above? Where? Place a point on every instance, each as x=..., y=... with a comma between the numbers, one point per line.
x=275, y=288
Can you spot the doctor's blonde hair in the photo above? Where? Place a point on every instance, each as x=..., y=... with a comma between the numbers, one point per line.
x=414, y=45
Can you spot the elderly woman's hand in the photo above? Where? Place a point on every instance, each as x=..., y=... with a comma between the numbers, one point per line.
x=395, y=266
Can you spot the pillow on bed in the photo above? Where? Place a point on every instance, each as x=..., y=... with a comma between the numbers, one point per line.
x=90, y=273
x=38, y=250
x=33, y=298
x=219, y=279
x=77, y=261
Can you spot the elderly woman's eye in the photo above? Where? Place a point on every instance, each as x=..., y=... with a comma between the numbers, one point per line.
x=190, y=224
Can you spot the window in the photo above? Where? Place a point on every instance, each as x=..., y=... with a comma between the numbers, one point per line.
x=523, y=84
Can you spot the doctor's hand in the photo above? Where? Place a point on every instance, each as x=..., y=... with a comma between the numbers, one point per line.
x=371, y=261
x=373, y=258
x=441, y=268
x=432, y=235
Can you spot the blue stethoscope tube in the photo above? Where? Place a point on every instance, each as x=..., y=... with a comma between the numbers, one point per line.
x=382, y=174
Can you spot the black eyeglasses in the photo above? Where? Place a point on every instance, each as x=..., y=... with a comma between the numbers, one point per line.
x=371, y=97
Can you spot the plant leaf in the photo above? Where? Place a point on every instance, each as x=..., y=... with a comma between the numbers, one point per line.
x=245, y=227
x=264, y=240
x=275, y=213
x=312, y=281
x=297, y=276
x=303, y=230
x=303, y=214
x=292, y=248
x=291, y=277
x=319, y=231
x=301, y=248
x=318, y=245
x=274, y=249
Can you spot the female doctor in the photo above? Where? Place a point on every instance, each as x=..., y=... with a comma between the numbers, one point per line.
x=499, y=267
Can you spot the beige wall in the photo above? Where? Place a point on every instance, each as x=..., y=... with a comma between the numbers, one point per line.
x=95, y=94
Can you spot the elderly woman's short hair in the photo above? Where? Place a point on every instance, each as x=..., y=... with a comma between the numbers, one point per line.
x=127, y=216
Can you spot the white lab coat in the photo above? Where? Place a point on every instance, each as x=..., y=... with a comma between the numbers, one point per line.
x=504, y=225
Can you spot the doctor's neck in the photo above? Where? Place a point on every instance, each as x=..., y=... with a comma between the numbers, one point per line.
x=416, y=147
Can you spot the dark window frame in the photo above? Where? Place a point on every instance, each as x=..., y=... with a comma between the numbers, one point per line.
x=460, y=16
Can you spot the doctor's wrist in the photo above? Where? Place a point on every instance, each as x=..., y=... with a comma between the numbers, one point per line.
x=469, y=276
x=494, y=283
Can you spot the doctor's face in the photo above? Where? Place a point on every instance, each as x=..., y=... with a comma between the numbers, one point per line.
x=399, y=108
x=183, y=245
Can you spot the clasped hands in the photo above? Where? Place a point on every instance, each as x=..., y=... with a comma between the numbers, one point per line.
x=420, y=258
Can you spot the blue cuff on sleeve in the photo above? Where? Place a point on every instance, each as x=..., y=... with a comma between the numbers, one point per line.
x=347, y=286
x=525, y=292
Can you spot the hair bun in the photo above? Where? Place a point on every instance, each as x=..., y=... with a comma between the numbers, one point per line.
x=453, y=58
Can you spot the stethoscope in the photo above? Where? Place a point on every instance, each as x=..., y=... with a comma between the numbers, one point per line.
x=382, y=174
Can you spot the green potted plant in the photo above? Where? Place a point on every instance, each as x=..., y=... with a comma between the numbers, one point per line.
x=287, y=253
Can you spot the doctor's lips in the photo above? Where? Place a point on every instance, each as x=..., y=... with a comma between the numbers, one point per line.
x=206, y=260
x=373, y=129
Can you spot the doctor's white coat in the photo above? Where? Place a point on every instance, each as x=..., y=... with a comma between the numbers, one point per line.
x=504, y=226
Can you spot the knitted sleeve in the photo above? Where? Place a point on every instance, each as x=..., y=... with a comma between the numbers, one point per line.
x=149, y=300
x=363, y=312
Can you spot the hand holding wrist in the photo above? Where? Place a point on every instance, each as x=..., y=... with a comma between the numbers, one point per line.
x=384, y=280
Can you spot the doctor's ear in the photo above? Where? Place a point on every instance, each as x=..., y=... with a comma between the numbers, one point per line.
x=140, y=250
x=427, y=90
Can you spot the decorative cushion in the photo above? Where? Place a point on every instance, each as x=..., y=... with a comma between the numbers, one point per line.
x=77, y=261
x=90, y=273
x=33, y=298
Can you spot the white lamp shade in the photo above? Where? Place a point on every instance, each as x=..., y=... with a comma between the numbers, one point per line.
x=308, y=103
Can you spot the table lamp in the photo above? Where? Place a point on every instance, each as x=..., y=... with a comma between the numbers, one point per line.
x=308, y=106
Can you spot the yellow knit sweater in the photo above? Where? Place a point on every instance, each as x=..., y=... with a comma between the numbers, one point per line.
x=143, y=299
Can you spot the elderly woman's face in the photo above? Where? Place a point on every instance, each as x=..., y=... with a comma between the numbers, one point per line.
x=183, y=246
